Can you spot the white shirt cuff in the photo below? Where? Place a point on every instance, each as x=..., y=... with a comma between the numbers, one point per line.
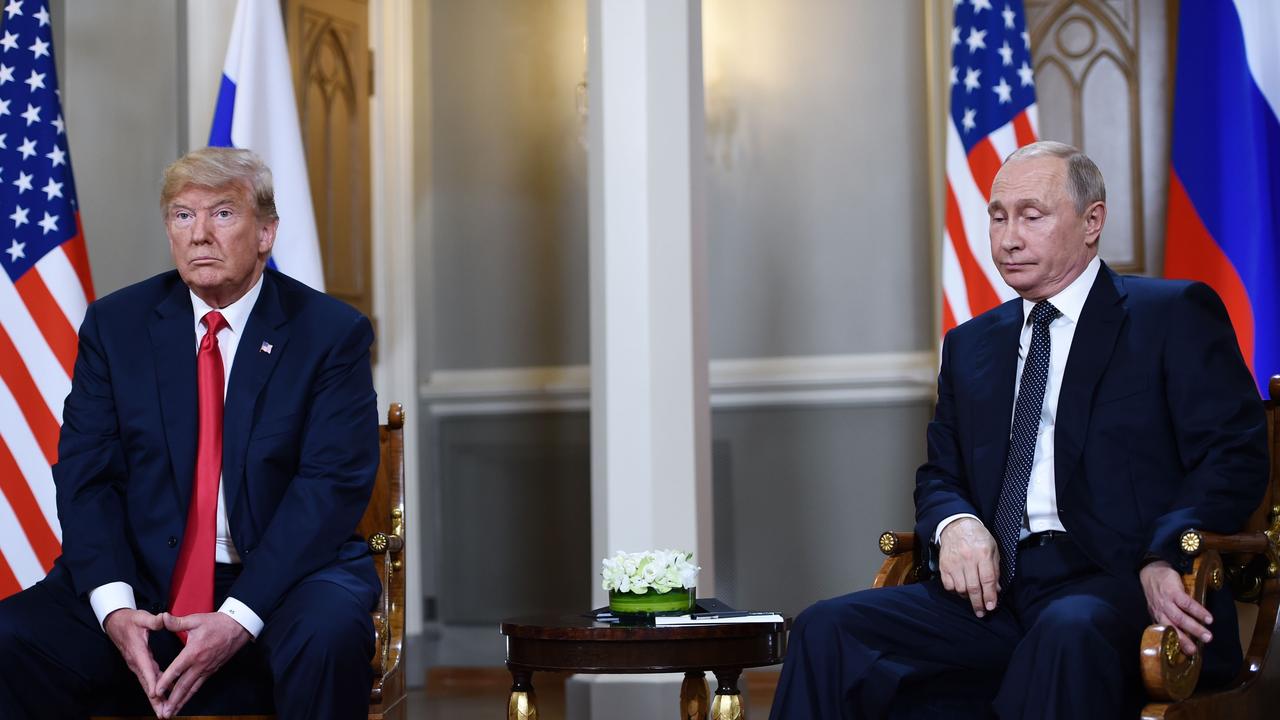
x=241, y=613
x=106, y=599
x=937, y=534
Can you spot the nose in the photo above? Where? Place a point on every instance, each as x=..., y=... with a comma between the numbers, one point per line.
x=200, y=229
x=1010, y=237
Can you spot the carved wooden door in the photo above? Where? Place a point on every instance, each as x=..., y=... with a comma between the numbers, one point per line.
x=1104, y=73
x=329, y=51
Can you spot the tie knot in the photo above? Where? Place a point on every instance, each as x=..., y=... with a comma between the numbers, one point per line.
x=213, y=322
x=1044, y=313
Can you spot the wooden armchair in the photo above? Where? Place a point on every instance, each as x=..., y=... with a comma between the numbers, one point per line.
x=383, y=526
x=1248, y=562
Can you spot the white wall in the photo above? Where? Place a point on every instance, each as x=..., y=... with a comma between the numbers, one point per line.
x=818, y=226
x=121, y=94
x=208, y=27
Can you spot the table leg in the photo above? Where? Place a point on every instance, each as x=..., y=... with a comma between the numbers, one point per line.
x=693, y=696
x=523, y=704
x=728, y=702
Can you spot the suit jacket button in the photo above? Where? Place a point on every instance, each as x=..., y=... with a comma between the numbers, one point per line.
x=173, y=541
x=156, y=608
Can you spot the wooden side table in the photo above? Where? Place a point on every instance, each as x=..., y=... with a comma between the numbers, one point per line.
x=579, y=644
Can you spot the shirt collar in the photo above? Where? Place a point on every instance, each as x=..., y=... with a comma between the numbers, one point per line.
x=236, y=314
x=1070, y=302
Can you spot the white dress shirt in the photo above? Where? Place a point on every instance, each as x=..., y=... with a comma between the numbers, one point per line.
x=113, y=596
x=1042, y=493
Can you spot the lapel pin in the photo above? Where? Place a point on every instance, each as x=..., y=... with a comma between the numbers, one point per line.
x=266, y=347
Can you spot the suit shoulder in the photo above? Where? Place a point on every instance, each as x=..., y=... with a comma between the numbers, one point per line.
x=977, y=327
x=1155, y=288
x=144, y=294
x=1164, y=293
x=306, y=304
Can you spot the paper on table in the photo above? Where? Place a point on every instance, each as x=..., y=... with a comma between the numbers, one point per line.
x=718, y=618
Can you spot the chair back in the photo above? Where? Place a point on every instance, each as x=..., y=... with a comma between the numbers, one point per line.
x=383, y=526
x=1263, y=518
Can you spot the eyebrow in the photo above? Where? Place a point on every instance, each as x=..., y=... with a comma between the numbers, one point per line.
x=228, y=200
x=1019, y=205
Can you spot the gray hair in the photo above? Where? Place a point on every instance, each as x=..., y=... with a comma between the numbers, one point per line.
x=215, y=167
x=1084, y=179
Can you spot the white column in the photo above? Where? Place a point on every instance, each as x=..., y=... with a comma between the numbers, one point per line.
x=208, y=30
x=650, y=421
x=391, y=114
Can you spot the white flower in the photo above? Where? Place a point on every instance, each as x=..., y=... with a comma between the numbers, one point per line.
x=659, y=570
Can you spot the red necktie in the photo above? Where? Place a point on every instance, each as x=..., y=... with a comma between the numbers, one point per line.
x=192, y=590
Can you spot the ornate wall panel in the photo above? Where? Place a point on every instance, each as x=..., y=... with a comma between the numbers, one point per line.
x=329, y=50
x=1095, y=85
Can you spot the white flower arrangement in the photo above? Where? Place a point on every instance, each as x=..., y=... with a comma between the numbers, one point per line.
x=659, y=570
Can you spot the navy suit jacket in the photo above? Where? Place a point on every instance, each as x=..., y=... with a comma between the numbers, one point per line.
x=1159, y=426
x=299, y=455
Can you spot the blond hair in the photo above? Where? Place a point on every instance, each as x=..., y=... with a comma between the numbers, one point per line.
x=216, y=167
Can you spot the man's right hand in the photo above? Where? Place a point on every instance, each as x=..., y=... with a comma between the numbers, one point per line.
x=969, y=563
x=129, y=629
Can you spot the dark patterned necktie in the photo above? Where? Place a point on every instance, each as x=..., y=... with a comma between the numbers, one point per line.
x=1022, y=440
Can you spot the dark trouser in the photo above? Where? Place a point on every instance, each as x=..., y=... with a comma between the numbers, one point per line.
x=310, y=661
x=1062, y=644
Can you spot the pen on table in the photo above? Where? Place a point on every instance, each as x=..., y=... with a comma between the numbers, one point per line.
x=732, y=614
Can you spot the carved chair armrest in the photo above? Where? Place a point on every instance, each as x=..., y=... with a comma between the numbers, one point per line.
x=1249, y=558
x=388, y=619
x=1193, y=542
x=1169, y=674
x=380, y=543
x=895, y=543
x=902, y=566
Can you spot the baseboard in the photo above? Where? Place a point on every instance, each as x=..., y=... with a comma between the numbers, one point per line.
x=445, y=682
x=761, y=685
x=862, y=379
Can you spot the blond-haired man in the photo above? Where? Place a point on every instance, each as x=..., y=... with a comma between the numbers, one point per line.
x=218, y=447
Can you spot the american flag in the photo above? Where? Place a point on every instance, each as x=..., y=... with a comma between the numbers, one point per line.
x=44, y=290
x=993, y=113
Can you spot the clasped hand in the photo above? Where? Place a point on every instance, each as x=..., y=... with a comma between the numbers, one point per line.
x=212, y=639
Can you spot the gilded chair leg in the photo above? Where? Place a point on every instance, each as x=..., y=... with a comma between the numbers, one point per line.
x=693, y=696
x=728, y=702
x=523, y=704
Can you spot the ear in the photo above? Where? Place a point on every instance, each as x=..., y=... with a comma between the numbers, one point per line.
x=1095, y=216
x=267, y=236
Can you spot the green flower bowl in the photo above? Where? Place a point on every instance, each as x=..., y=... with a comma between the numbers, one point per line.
x=672, y=602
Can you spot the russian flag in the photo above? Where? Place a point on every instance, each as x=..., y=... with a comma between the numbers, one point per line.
x=1224, y=187
x=256, y=110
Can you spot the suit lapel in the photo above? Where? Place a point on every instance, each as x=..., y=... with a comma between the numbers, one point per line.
x=997, y=367
x=1091, y=347
x=265, y=336
x=172, y=330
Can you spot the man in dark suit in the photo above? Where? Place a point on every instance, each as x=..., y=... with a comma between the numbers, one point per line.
x=218, y=447
x=1079, y=430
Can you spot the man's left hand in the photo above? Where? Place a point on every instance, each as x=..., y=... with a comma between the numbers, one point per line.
x=212, y=639
x=1169, y=604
